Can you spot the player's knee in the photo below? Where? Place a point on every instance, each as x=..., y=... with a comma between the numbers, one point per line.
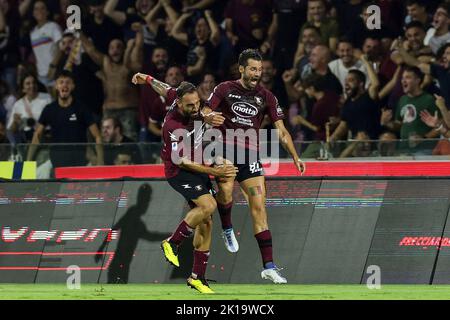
x=208, y=222
x=226, y=192
x=208, y=207
x=258, y=209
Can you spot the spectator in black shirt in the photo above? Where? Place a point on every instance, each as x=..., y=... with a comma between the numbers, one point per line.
x=360, y=111
x=100, y=28
x=202, y=44
x=69, y=121
x=114, y=139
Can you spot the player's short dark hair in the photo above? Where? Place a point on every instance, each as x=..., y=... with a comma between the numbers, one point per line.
x=360, y=76
x=65, y=74
x=415, y=24
x=419, y=74
x=184, y=88
x=316, y=81
x=249, y=54
x=116, y=122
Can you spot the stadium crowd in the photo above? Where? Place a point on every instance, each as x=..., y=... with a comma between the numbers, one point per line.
x=336, y=78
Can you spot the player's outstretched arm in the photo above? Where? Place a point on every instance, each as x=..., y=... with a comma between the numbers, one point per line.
x=288, y=145
x=160, y=87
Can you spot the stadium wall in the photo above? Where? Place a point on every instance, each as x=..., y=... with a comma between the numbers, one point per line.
x=325, y=230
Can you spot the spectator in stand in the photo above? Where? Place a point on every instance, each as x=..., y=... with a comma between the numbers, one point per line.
x=417, y=11
x=318, y=64
x=437, y=71
x=407, y=114
x=7, y=101
x=5, y=146
x=348, y=14
x=287, y=19
x=329, y=29
x=121, y=99
x=10, y=17
x=439, y=34
x=326, y=105
x=360, y=30
x=310, y=38
x=114, y=141
x=346, y=62
x=440, y=125
x=379, y=59
x=414, y=45
x=99, y=27
x=164, y=31
x=271, y=82
x=44, y=38
x=247, y=23
x=360, y=111
x=142, y=14
x=202, y=44
x=69, y=122
x=206, y=87
x=123, y=158
x=27, y=110
x=360, y=147
x=71, y=57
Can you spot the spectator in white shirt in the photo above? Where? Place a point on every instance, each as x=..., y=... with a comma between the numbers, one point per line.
x=44, y=38
x=27, y=110
x=439, y=35
x=346, y=62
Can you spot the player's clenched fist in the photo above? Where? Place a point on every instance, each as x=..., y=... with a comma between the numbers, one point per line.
x=140, y=78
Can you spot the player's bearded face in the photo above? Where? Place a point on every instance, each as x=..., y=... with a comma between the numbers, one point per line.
x=190, y=104
x=251, y=74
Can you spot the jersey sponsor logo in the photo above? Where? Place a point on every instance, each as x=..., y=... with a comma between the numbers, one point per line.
x=234, y=96
x=174, y=146
x=73, y=117
x=244, y=109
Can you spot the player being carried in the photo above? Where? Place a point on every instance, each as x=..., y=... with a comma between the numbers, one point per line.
x=187, y=177
x=244, y=103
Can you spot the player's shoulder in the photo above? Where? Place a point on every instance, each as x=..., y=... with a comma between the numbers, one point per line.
x=226, y=85
x=171, y=121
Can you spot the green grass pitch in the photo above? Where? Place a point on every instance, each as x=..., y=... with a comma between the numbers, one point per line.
x=223, y=292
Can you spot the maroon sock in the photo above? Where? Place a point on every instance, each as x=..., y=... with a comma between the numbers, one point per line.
x=265, y=246
x=182, y=232
x=200, y=263
x=225, y=215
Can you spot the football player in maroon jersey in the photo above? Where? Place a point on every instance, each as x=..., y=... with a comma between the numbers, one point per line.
x=244, y=103
x=187, y=177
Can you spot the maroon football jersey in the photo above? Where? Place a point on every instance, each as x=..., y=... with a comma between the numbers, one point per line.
x=243, y=108
x=174, y=141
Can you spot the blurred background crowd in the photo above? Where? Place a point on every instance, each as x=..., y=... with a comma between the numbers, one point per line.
x=335, y=77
